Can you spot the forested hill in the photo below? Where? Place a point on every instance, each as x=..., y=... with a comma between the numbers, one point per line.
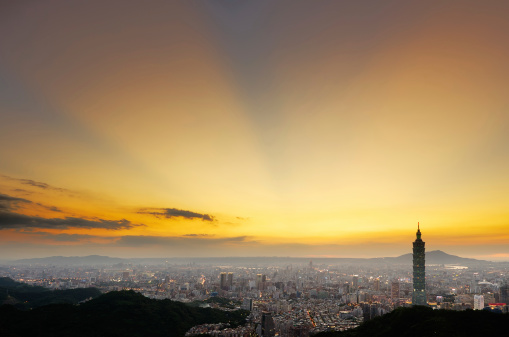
x=123, y=313
x=24, y=296
x=426, y=322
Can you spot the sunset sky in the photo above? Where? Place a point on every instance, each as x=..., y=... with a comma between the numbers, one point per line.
x=253, y=128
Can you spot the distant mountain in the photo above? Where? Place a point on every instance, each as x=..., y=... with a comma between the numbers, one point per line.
x=432, y=257
x=73, y=260
x=439, y=257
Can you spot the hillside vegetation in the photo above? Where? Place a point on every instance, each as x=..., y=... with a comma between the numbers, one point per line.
x=425, y=322
x=24, y=296
x=123, y=313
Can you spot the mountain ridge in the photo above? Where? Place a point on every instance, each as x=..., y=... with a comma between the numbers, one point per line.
x=432, y=258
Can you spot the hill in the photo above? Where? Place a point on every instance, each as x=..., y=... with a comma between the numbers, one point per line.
x=24, y=296
x=423, y=322
x=436, y=257
x=123, y=313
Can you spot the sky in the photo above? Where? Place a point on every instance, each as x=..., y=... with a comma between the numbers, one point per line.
x=253, y=128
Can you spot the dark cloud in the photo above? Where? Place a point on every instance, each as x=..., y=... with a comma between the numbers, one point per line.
x=5, y=197
x=9, y=203
x=9, y=220
x=170, y=213
x=198, y=235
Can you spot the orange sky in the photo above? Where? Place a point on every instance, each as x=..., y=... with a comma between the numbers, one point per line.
x=220, y=128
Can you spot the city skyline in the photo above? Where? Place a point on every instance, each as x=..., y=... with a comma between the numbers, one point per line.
x=218, y=128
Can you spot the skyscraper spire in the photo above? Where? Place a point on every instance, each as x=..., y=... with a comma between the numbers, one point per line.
x=419, y=279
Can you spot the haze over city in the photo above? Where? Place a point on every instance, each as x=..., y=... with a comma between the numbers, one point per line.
x=262, y=128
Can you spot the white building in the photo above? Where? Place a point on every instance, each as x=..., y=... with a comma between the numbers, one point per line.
x=478, y=302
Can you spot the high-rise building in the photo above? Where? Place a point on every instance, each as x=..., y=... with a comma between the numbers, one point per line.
x=376, y=284
x=478, y=302
x=419, y=293
x=268, y=326
x=261, y=281
x=504, y=293
x=395, y=289
x=247, y=304
x=223, y=281
x=230, y=280
x=346, y=288
x=355, y=282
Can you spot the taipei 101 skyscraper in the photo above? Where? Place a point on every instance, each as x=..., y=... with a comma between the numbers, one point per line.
x=419, y=294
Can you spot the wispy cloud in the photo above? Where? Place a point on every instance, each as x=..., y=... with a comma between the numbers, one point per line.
x=50, y=208
x=34, y=183
x=198, y=235
x=170, y=213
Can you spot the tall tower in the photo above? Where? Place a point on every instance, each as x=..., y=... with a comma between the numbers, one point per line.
x=419, y=294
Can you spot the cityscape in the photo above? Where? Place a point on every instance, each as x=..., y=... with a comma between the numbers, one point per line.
x=254, y=168
x=286, y=297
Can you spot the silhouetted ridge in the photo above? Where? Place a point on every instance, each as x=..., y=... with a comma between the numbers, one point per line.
x=24, y=296
x=422, y=321
x=124, y=313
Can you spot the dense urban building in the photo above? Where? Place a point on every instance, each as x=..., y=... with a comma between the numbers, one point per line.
x=289, y=297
